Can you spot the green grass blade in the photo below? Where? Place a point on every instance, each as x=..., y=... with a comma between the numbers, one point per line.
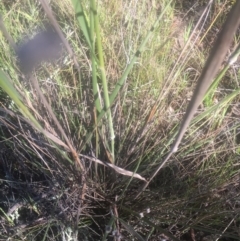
x=7, y=86
x=82, y=20
x=103, y=76
x=95, y=86
x=94, y=65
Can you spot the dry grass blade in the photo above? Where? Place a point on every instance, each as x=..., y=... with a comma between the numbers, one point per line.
x=72, y=149
x=161, y=96
x=35, y=82
x=45, y=132
x=56, y=26
x=211, y=68
x=117, y=169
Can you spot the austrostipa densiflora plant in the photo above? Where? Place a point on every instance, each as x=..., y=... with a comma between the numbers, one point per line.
x=84, y=133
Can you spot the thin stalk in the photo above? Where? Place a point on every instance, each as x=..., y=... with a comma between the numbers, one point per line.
x=211, y=67
x=94, y=65
x=103, y=77
x=97, y=104
x=232, y=59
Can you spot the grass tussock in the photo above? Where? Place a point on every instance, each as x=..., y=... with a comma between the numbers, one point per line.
x=119, y=112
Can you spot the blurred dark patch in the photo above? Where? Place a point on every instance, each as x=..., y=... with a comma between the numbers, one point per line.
x=44, y=47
